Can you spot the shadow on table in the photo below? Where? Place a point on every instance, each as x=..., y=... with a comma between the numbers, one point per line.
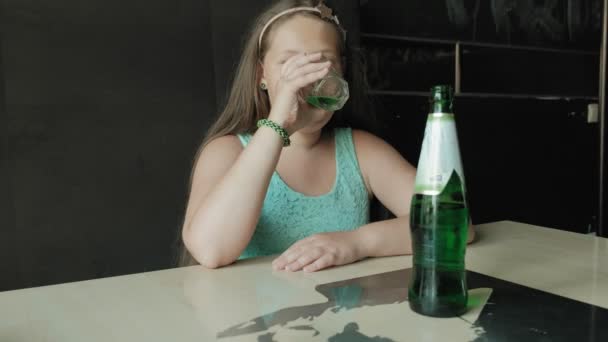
x=513, y=312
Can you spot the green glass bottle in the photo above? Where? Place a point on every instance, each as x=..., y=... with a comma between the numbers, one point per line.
x=439, y=217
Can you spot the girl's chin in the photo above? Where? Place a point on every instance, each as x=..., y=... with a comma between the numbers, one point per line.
x=320, y=119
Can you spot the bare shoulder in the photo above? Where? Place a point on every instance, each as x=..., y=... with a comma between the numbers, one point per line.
x=371, y=149
x=366, y=141
x=225, y=145
x=218, y=155
x=388, y=176
x=211, y=163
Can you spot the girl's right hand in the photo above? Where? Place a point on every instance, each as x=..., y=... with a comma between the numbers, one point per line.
x=298, y=72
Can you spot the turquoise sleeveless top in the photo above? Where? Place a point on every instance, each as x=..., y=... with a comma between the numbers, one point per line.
x=288, y=216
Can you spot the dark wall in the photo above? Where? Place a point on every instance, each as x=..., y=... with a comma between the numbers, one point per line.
x=603, y=200
x=9, y=272
x=106, y=103
x=229, y=33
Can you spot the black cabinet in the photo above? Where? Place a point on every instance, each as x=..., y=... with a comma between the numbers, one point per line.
x=524, y=72
x=527, y=160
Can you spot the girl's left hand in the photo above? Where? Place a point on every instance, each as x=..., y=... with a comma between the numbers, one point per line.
x=320, y=251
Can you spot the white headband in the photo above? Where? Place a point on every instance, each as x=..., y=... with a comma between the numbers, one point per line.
x=324, y=11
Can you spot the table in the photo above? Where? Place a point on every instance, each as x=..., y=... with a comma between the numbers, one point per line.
x=537, y=283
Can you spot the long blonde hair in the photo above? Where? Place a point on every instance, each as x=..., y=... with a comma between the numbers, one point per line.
x=247, y=103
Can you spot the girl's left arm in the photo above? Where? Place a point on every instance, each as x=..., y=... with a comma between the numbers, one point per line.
x=390, y=178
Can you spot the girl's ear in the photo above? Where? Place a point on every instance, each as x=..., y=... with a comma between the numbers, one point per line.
x=260, y=73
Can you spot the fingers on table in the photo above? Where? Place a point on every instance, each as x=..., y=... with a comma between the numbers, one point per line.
x=306, y=258
x=327, y=260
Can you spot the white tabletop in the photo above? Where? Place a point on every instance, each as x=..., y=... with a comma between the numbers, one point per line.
x=196, y=304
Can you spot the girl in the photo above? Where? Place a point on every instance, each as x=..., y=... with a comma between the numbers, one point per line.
x=251, y=195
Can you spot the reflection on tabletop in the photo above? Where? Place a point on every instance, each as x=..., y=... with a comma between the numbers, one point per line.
x=372, y=308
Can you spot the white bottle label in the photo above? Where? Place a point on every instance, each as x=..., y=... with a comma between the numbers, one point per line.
x=439, y=156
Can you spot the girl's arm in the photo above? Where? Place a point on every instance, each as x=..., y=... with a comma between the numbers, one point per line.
x=391, y=179
x=229, y=184
x=390, y=237
x=228, y=189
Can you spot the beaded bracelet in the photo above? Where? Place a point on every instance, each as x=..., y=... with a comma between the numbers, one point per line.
x=282, y=132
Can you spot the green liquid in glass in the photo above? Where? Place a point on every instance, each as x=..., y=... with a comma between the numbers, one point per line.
x=439, y=225
x=323, y=102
